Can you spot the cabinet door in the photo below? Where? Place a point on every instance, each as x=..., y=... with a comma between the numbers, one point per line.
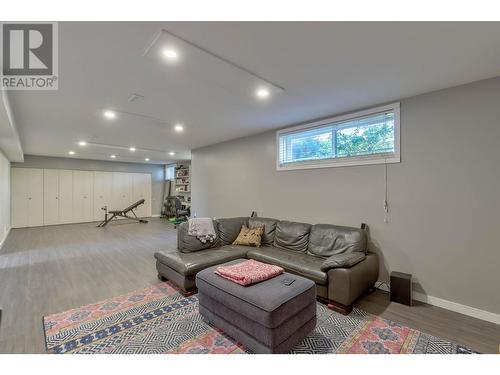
x=35, y=197
x=65, y=196
x=19, y=197
x=50, y=196
x=103, y=193
x=149, y=195
x=82, y=196
x=122, y=190
x=141, y=187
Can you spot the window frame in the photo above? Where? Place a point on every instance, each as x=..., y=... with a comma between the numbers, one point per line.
x=382, y=158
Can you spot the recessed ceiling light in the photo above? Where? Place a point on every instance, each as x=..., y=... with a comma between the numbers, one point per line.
x=82, y=143
x=171, y=153
x=109, y=114
x=147, y=159
x=178, y=128
x=113, y=156
x=262, y=93
x=132, y=149
x=170, y=54
x=71, y=152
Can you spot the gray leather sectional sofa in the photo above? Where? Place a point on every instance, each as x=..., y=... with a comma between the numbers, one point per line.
x=334, y=257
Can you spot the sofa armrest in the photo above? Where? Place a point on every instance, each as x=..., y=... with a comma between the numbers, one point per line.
x=345, y=285
x=345, y=260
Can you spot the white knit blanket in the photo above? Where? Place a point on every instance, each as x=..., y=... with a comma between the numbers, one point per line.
x=202, y=228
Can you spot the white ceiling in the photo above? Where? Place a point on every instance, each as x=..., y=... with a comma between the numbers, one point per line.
x=324, y=68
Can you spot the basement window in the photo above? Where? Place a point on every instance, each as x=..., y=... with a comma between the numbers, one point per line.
x=169, y=171
x=366, y=137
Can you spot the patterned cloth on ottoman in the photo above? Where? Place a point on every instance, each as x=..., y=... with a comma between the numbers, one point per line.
x=267, y=317
x=248, y=272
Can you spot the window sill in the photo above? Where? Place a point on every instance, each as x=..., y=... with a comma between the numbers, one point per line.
x=339, y=163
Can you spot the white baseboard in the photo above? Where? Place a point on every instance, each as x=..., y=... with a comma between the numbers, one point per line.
x=5, y=237
x=157, y=215
x=452, y=306
x=458, y=307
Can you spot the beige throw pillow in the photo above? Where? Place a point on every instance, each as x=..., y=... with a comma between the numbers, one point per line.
x=249, y=237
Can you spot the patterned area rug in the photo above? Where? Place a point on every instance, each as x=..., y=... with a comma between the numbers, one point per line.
x=160, y=320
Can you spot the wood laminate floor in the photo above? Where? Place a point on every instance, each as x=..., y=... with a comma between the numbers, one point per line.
x=47, y=270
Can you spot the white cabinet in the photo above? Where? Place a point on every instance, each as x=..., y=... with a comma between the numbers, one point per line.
x=65, y=196
x=35, y=199
x=19, y=197
x=58, y=196
x=103, y=193
x=27, y=197
x=122, y=190
x=50, y=196
x=82, y=196
x=128, y=188
x=141, y=189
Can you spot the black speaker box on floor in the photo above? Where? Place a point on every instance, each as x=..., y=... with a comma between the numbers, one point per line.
x=401, y=288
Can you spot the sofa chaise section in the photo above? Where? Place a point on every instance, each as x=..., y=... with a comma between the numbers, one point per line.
x=181, y=268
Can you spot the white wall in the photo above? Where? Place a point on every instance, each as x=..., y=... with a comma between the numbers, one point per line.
x=444, y=222
x=4, y=197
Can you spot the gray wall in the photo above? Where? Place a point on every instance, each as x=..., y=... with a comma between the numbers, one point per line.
x=157, y=171
x=444, y=221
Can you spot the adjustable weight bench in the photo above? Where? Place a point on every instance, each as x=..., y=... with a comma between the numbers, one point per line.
x=123, y=213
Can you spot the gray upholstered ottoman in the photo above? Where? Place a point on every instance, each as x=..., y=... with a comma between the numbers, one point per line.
x=267, y=317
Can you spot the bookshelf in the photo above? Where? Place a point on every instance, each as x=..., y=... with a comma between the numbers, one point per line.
x=183, y=180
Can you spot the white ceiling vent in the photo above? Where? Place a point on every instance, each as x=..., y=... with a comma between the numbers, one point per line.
x=135, y=98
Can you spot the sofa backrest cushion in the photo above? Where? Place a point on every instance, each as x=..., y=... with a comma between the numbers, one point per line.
x=292, y=236
x=326, y=240
x=190, y=244
x=229, y=228
x=269, y=228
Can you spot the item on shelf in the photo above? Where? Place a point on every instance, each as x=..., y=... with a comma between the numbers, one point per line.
x=182, y=179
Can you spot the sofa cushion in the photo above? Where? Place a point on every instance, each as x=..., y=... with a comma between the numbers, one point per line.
x=188, y=264
x=326, y=240
x=189, y=244
x=292, y=236
x=269, y=228
x=228, y=229
x=301, y=264
x=249, y=237
x=344, y=260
